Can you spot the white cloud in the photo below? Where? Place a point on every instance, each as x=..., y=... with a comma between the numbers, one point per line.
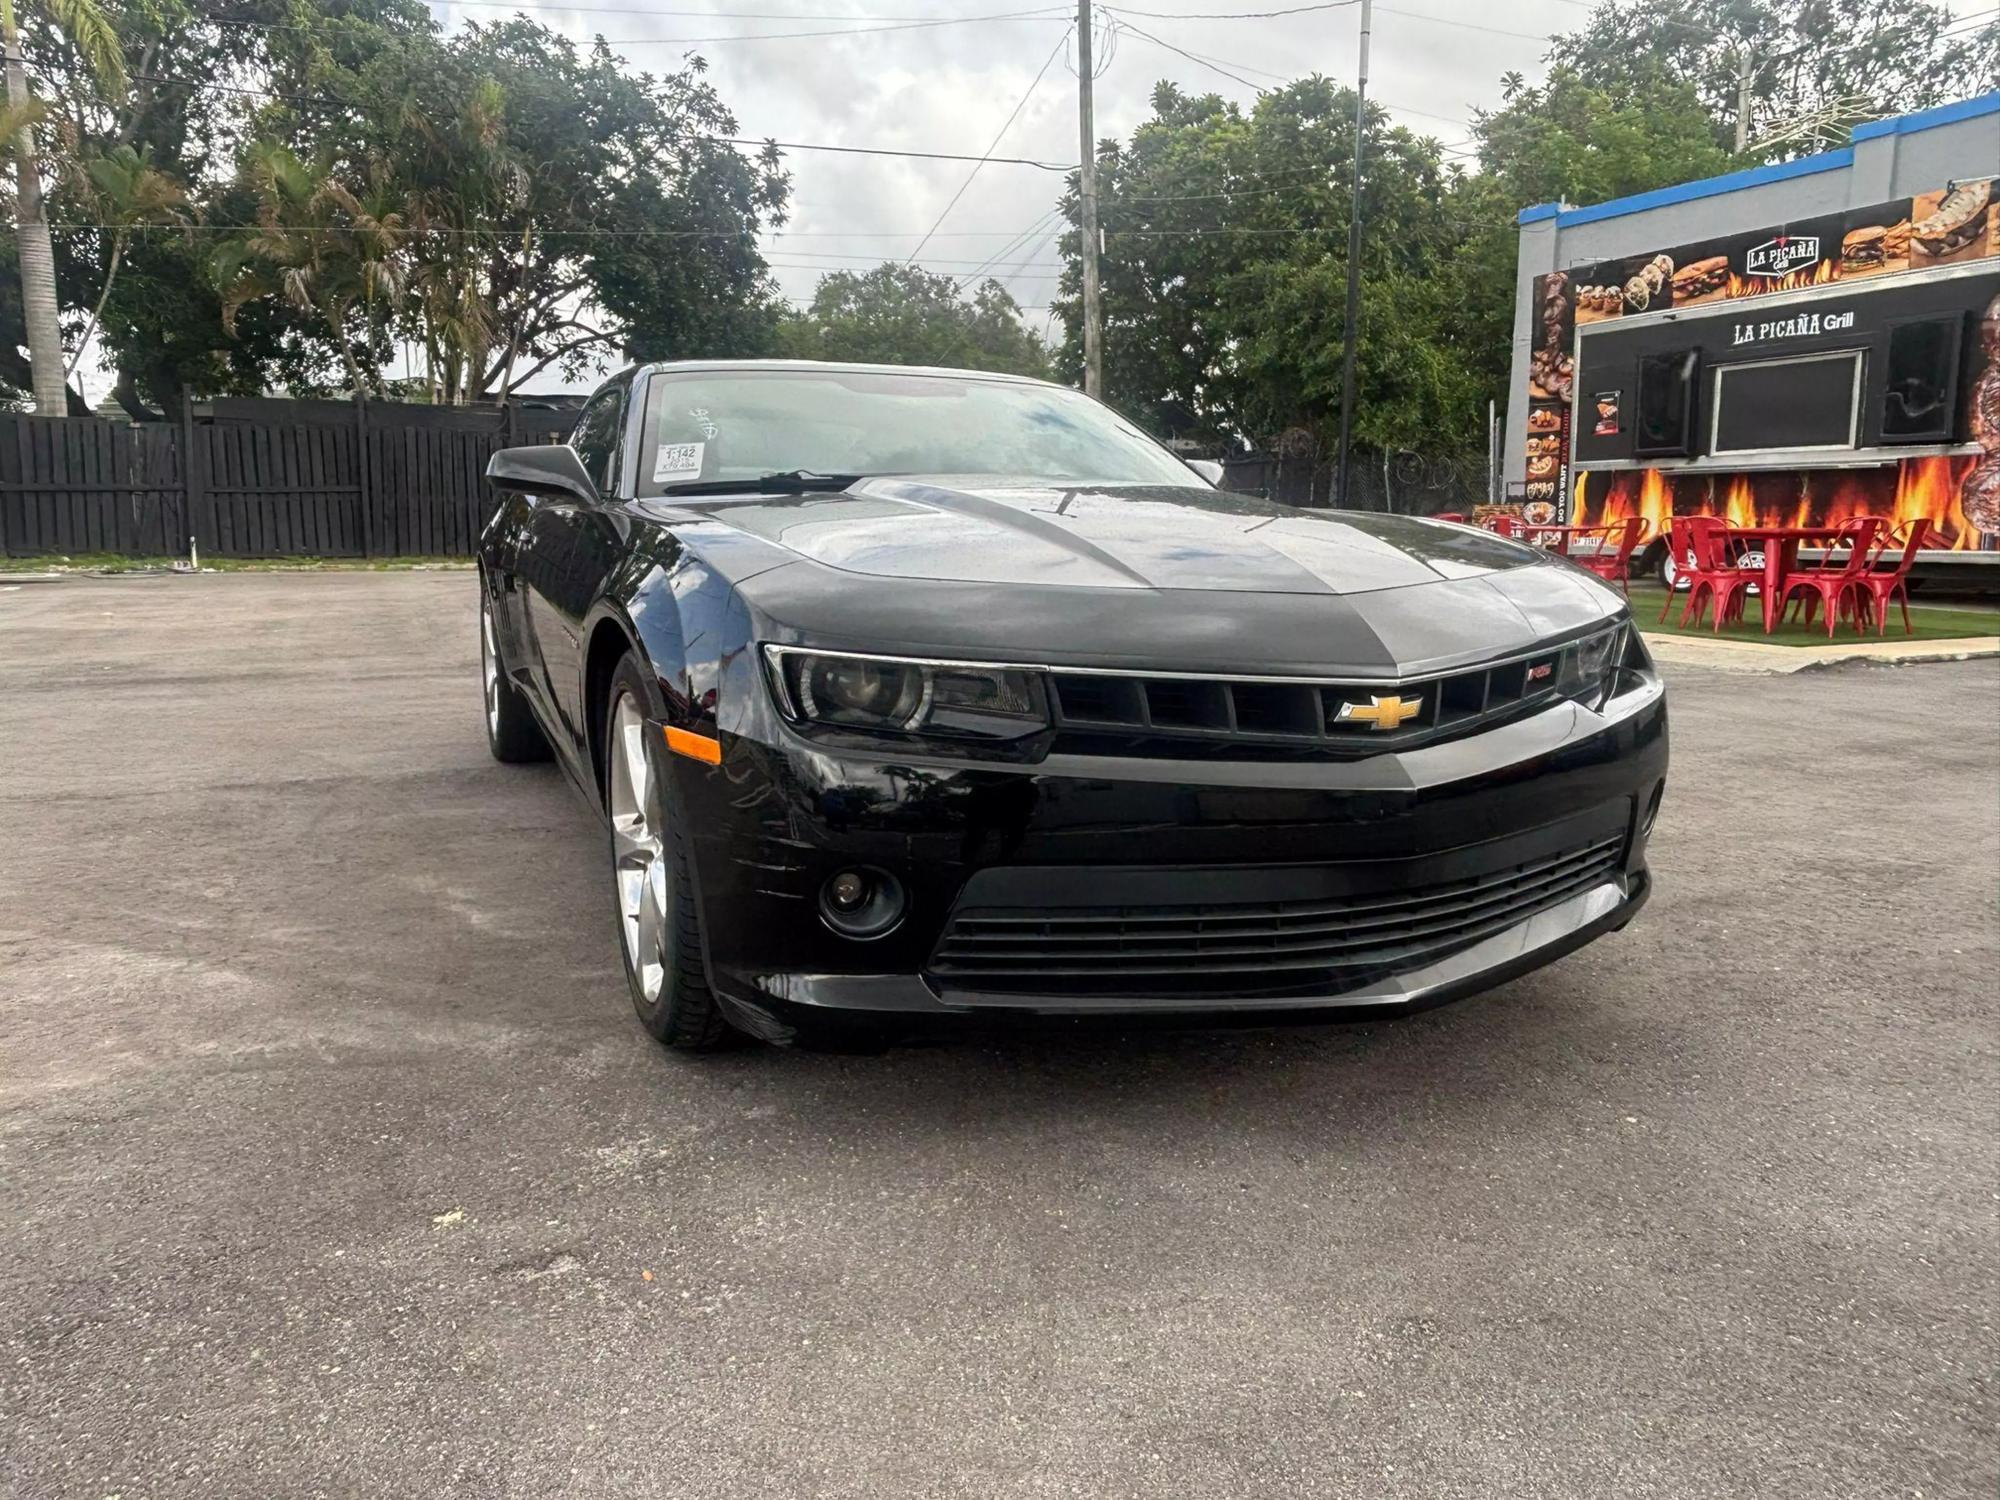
x=949, y=88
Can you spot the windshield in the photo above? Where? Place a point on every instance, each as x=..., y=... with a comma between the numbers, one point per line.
x=741, y=424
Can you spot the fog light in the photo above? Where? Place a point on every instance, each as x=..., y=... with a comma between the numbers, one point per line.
x=1652, y=810
x=861, y=903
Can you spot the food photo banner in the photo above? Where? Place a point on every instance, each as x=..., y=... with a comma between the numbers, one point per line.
x=1941, y=228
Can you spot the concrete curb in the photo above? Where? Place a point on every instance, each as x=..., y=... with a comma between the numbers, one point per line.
x=1757, y=656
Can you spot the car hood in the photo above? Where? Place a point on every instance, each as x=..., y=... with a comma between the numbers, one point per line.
x=1106, y=537
x=1162, y=579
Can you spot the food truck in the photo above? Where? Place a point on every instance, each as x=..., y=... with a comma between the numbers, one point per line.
x=1788, y=345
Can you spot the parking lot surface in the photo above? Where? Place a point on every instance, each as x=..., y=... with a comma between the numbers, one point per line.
x=333, y=1161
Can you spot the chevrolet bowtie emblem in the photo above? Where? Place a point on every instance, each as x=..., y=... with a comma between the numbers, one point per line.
x=1383, y=713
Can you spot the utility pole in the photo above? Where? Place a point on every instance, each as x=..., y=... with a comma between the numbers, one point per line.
x=1350, y=328
x=1744, y=58
x=1093, y=312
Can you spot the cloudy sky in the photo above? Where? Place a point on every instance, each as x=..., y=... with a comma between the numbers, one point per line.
x=951, y=88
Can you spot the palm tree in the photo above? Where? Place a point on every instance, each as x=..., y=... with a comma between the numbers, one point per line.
x=128, y=191
x=323, y=247
x=91, y=31
x=465, y=182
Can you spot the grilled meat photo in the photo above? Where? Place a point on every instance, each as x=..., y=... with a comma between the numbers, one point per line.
x=1701, y=278
x=1957, y=221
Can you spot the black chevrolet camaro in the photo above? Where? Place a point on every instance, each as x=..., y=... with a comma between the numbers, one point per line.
x=911, y=695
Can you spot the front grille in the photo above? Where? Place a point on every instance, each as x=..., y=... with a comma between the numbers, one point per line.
x=1099, y=713
x=1273, y=947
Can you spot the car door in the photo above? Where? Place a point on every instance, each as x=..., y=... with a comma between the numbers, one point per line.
x=563, y=575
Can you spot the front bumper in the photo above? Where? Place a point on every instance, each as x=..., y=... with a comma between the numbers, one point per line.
x=1097, y=834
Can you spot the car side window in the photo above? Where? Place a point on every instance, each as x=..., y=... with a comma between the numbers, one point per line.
x=596, y=438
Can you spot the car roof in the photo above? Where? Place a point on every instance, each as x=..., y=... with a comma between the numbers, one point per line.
x=751, y=366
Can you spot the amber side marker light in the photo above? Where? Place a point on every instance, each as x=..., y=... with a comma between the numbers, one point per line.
x=694, y=746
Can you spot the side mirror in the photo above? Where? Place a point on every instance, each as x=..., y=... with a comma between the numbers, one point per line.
x=549, y=470
x=1208, y=469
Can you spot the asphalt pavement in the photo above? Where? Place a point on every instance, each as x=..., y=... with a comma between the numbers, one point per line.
x=333, y=1161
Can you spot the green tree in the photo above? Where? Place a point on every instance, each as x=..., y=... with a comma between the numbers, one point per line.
x=325, y=248
x=561, y=206
x=126, y=192
x=901, y=314
x=1570, y=139
x=1809, y=67
x=89, y=31
x=161, y=326
x=555, y=206
x=1225, y=275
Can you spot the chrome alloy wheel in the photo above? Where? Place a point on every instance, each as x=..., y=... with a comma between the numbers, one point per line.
x=637, y=851
x=489, y=665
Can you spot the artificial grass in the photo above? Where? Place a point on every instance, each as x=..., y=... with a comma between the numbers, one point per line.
x=1928, y=622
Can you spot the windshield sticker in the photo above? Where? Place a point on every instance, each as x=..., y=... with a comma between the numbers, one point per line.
x=703, y=420
x=677, y=461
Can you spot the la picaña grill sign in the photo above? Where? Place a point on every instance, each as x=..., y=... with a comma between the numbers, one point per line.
x=1782, y=256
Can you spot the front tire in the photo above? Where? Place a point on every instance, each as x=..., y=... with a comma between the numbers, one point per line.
x=511, y=731
x=659, y=922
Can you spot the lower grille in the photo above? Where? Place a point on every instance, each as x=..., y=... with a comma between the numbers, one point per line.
x=1281, y=947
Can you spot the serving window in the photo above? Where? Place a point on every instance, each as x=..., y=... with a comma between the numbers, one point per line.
x=1667, y=386
x=1920, y=384
x=1800, y=401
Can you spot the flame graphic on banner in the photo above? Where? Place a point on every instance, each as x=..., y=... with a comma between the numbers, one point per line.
x=1927, y=486
x=1820, y=274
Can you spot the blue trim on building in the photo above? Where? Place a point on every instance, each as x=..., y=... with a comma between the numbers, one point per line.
x=1929, y=119
x=1711, y=187
x=1749, y=177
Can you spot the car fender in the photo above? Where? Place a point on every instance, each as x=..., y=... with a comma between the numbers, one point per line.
x=686, y=624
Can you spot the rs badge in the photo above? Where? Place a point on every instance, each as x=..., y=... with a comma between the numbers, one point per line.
x=1383, y=713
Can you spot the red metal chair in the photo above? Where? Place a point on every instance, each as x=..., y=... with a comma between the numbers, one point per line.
x=1450, y=515
x=1835, y=579
x=1502, y=525
x=1715, y=579
x=1884, y=584
x=1612, y=558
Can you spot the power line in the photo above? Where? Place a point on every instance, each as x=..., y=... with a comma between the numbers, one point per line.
x=1005, y=126
x=1215, y=65
x=1232, y=15
x=531, y=6
x=725, y=140
x=1011, y=161
x=1007, y=281
x=1458, y=25
x=1010, y=247
x=1043, y=14
x=1208, y=63
x=223, y=88
x=851, y=270
x=878, y=258
x=513, y=234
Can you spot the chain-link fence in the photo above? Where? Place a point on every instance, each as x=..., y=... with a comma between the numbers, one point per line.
x=1406, y=483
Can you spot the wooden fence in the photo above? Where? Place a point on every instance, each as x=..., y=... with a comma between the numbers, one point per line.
x=263, y=478
x=257, y=478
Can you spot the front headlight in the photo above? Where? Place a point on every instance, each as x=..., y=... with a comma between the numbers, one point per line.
x=899, y=695
x=1593, y=665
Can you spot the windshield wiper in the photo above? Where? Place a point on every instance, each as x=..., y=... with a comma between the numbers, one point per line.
x=790, y=482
